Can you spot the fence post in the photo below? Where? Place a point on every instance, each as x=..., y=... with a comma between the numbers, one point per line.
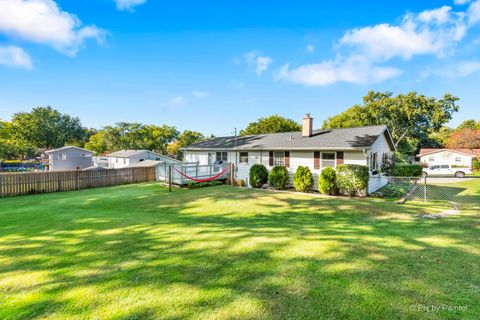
x=232, y=174
x=425, y=189
x=169, y=178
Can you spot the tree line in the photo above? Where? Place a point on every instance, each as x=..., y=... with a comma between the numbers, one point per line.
x=414, y=120
x=27, y=134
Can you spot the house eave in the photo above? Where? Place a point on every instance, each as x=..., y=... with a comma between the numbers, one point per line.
x=278, y=149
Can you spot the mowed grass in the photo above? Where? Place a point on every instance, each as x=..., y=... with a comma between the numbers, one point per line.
x=139, y=252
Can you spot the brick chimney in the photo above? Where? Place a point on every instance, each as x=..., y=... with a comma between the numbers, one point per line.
x=307, y=126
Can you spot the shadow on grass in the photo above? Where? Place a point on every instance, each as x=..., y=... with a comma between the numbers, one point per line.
x=231, y=253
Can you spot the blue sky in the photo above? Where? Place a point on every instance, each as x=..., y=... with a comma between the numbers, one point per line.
x=212, y=66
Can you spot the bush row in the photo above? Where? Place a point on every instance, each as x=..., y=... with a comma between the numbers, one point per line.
x=407, y=170
x=348, y=179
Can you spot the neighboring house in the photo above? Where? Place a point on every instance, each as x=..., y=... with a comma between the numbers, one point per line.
x=69, y=158
x=100, y=161
x=128, y=158
x=316, y=149
x=454, y=157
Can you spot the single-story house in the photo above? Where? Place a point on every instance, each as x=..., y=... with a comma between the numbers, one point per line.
x=69, y=158
x=315, y=149
x=126, y=158
x=457, y=157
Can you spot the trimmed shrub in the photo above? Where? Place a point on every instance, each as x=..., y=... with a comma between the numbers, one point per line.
x=476, y=164
x=258, y=175
x=279, y=178
x=327, y=182
x=352, y=178
x=303, y=179
x=407, y=170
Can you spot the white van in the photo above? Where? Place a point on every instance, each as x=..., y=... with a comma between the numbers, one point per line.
x=446, y=170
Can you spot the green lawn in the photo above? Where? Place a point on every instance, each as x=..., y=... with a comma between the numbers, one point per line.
x=139, y=252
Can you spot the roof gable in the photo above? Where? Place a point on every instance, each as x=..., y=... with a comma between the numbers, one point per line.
x=66, y=148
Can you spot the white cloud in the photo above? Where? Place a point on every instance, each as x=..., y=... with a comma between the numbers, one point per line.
x=461, y=2
x=261, y=63
x=363, y=52
x=200, y=94
x=357, y=70
x=430, y=32
x=440, y=15
x=15, y=57
x=128, y=5
x=310, y=48
x=177, y=101
x=473, y=13
x=43, y=22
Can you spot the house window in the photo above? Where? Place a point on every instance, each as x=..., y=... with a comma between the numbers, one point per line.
x=124, y=160
x=140, y=160
x=279, y=158
x=458, y=159
x=222, y=156
x=62, y=156
x=431, y=159
x=328, y=160
x=373, y=162
x=116, y=160
x=244, y=157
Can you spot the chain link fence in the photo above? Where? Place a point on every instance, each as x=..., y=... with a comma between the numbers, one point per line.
x=461, y=193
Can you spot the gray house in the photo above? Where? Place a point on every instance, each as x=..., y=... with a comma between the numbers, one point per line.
x=130, y=158
x=69, y=158
x=315, y=149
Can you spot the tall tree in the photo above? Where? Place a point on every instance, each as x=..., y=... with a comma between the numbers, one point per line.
x=45, y=127
x=410, y=117
x=186, y=138
x=465, y=138
x=125, y=135
x=470, y=124
x=271, y=124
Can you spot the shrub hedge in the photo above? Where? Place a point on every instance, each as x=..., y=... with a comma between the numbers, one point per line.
x=327, y=182
x=476, y=164
x=303, y=179
x=352, y=178
x=279, y=178
x=258, y=175
x=407, y=170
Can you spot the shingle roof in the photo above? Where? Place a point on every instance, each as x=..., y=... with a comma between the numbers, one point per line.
x=347, y=138
x=68, y=147
x=145, y=163
x=126, y=153
x=471, y=152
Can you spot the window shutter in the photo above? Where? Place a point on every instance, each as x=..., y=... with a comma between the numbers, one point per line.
x=339, y=157
x=316, y=160
x=270, y=158
x=287, y=159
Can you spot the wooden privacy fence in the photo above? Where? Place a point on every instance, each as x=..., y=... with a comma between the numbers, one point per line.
x=16, y=184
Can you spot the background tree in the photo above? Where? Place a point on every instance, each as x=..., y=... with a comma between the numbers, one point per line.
x=137, y=136
x=465, y=138
x=186, y=138
x=469, y=124
x=45, y=127
x=271, y=124
x=410, y=117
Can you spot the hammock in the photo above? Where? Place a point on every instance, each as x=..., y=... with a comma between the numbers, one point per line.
x=202, y=180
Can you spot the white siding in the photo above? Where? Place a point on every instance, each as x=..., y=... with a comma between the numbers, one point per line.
x=380, y=146
x=447, y=157
x=355, y=157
